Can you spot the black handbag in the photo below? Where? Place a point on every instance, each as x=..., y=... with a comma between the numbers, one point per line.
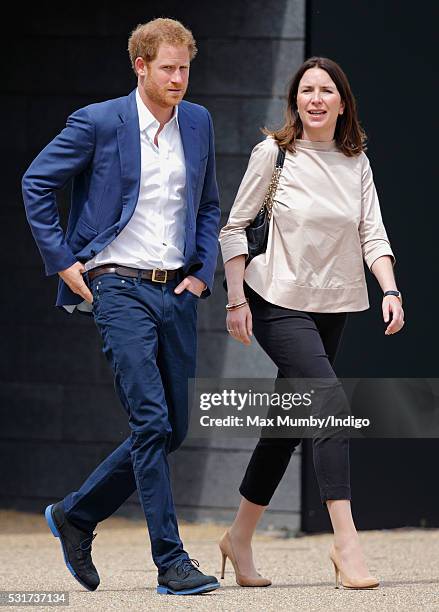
x=257, y=231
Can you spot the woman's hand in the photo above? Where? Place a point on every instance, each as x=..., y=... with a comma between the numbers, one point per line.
x=392, y=305
x=239, y=324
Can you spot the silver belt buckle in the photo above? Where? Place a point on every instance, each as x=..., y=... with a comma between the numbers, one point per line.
x=162, y=273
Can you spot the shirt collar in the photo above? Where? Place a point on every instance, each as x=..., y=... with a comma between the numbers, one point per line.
x=147, y=119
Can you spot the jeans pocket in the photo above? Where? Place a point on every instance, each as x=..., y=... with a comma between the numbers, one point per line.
x=109, y=289
x=193, y=295
x=112, y=282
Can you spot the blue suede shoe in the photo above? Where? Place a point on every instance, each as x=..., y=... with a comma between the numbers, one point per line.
x=183, y=578
x=76, y=547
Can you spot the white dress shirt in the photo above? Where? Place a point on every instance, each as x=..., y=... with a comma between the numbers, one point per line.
x=154, y=237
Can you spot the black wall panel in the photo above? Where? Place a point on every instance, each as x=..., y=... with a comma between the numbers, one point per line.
x=387, y=50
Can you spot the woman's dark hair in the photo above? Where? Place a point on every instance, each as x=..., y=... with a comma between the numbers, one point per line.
x=349, y=135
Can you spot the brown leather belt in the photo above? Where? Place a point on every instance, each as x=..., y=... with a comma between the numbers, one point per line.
x=156, y=275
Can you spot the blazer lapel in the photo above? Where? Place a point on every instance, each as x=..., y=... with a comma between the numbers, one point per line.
x=191, y=147
x=128, y=137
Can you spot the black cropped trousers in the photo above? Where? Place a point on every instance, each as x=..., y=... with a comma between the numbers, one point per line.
x=302, y=345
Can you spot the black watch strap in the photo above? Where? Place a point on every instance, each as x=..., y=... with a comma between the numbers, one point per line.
x=392, y=292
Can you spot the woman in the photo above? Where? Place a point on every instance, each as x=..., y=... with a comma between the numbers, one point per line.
x=326, y=218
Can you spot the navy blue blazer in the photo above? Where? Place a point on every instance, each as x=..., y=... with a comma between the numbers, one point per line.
x=100, y=150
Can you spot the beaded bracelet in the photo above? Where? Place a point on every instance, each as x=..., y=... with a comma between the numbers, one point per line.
x=236, y=306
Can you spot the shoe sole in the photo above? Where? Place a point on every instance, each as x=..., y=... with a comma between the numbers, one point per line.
x=54, y=529
x=205, y=588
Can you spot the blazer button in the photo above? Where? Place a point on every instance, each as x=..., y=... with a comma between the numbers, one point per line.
x=93, y=253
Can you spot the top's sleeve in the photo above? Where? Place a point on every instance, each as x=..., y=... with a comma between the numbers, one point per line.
x=249, y=199
x=373, y=236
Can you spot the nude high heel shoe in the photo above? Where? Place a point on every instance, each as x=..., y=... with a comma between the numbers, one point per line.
x=226, y=549
x=351, y=583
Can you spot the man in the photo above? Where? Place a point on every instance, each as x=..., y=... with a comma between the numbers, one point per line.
x=139, y=250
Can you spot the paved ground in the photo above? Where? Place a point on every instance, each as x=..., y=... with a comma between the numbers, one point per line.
x=406, y=561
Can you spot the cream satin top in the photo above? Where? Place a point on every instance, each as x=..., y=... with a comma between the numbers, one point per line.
x=326, y=219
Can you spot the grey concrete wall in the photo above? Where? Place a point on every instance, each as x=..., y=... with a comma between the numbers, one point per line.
x=59, y=414
x=247, y=57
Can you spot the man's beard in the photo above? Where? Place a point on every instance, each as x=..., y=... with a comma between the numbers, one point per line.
x=161, y=97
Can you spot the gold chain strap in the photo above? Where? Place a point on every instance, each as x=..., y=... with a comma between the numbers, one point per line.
x=271, y=192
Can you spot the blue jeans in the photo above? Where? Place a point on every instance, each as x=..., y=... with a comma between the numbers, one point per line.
x=149, y=338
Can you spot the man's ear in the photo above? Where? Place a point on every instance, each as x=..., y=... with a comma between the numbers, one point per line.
x=141, y=66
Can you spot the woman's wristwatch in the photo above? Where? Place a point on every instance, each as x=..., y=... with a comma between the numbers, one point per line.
x=397, y=293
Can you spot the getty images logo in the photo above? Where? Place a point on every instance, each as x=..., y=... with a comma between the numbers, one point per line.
x=240, y=400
